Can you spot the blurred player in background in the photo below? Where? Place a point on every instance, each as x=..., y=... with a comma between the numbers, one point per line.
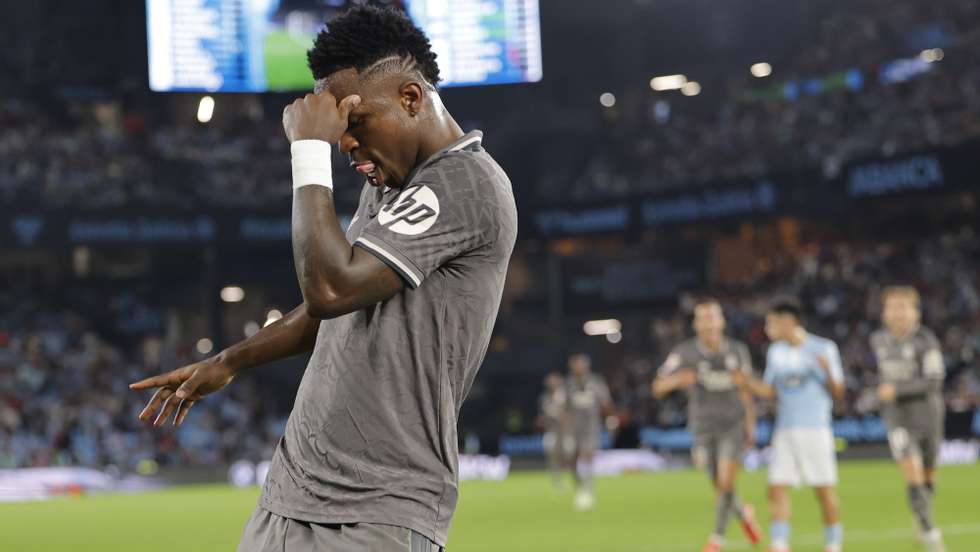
x=911, y=370
x=804, y=374
x=552, y=419
x=721, y=416
x=588, y=403
x=398, y=322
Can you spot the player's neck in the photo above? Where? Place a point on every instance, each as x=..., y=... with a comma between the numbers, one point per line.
x=443, y=132
x=797, y=336
x=711, y=343
x=900, y=334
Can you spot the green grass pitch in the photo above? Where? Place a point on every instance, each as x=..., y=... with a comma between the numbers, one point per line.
x=634, y=513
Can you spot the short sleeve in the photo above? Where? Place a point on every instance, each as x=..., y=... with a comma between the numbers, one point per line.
x=933, y=365
x=671, y=364
x=605, y=397
x=744, y=359
x=439, y=217
x=836, y=366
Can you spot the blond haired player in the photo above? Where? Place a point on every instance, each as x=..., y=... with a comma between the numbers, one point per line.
x=911, y=371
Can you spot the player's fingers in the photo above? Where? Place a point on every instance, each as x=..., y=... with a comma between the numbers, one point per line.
x=154, y=381
x=188, y=388
x=151, y=406
x=347, y=105
x=182, y=411
x=168, y=407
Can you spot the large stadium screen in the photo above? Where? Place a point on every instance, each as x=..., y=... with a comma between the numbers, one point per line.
x=260, y=45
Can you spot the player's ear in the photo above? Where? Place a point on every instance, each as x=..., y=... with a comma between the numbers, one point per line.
x=412, y=98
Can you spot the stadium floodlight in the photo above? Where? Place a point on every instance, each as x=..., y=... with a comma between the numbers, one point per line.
x=272, y=316
x=205, y=109
x=761, y=69
x=204, y=345
x=232, y=294
x=691, y=88
x=932, y=55
x=602, y=327
x=667, y=82
x=607, y=99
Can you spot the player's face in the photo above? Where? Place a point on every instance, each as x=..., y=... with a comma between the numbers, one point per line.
x=381, y=138
x=900, y=313
x=579, y=366
x=552, y=382
x=779, y=326
x=709, y=320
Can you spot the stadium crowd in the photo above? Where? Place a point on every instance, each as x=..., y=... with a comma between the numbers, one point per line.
x=656, y=142
x=96, y=155
x=64, y=400
x=64, y=396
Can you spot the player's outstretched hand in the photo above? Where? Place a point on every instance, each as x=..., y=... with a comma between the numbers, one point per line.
x=318, y=117
x=740, y=379
x=179, y=389
x=886, y=393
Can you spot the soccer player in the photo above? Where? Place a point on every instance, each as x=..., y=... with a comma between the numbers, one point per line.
x=398, y=322
x=804, y=374
x=588, y=401
x=720, y=415
x=552, y=417
x=911, y=369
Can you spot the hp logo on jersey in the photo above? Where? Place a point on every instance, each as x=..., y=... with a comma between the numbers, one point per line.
x=414, y=211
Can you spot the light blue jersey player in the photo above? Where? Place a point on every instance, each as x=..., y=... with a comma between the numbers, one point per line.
x=804, y=375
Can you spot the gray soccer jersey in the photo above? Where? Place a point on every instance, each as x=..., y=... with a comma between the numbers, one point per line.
x=552, y=407
x=915, y=366
x=372, y=435
x=585, y=399
x=714, y=405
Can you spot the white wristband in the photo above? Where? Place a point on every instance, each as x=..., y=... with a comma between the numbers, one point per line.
x=311, y=163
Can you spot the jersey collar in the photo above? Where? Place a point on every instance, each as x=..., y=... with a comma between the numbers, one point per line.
x=471, y=141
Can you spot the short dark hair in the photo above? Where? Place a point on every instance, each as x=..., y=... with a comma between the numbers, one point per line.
x=364, y=35
x=787, y=305
x=706, y=300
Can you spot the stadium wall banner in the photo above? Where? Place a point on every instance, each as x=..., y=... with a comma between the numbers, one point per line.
x=608, y=463
x=24, y=484
x=589, y=283
x=58, y=229
x=244, y=473
x=869, y=429
x=805, y=193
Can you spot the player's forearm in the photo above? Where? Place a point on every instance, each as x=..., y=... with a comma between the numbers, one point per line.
x=289, y=336
x=321, y=252
x=748, y=403
x=917, y=388
x=665, y=385
x=836, y=389
x=760, y=389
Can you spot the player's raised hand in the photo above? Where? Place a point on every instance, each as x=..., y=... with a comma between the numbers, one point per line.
x=318, y=117
x=179, y=389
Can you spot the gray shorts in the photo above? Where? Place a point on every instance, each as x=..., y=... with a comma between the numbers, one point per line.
x=905, y=443
x=269, y=532
x=582, y=441
x=712, y=447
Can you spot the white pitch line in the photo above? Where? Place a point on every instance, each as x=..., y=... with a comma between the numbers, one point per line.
x=857, y=535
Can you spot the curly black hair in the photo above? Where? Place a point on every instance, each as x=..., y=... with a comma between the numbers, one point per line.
x=364, y=35
x=787, y=305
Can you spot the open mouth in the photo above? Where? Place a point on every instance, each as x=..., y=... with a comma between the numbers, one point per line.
x=369, y=169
